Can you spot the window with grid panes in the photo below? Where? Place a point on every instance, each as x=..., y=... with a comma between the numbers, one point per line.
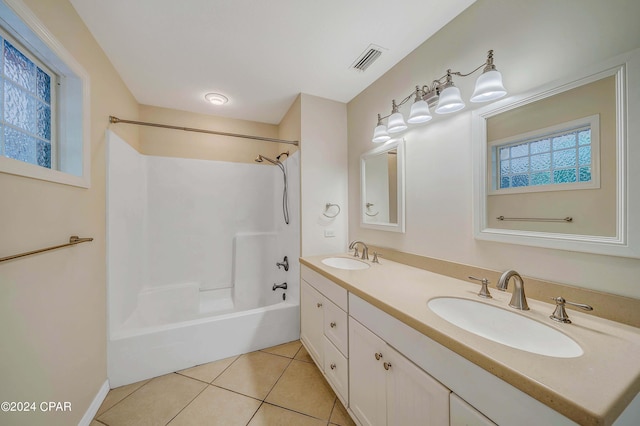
x=546, y=160
x=27, y=126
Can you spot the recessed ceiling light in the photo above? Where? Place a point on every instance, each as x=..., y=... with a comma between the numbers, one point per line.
x=216, y=98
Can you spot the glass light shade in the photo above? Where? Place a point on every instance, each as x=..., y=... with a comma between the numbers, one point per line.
x=216, y=98
x=419, y=113
x=450, y=101
x=488, y=87
x=380, y=134
x=396, y=123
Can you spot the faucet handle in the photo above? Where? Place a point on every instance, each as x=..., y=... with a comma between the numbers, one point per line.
x=375, y=257
x=560, y=313
x=355, y=251
x=484, y=290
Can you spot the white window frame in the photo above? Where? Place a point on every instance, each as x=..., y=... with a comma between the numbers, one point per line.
x=592, y=121
x=73, y=145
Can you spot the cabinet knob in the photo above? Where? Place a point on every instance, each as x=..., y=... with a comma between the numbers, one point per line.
x=333, y=366
x=319, y=305
x=387, y=365
x=378, y=356
x=333, y=324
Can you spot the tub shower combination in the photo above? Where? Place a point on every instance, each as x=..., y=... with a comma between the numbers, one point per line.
x=202, y=260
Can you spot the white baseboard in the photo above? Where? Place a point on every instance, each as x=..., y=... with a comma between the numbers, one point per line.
x=95, y=404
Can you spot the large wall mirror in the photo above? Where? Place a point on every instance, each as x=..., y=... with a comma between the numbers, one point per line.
x=558, y=167
x=382, y=187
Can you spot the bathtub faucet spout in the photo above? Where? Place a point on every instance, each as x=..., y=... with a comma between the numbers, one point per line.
x=282, y=286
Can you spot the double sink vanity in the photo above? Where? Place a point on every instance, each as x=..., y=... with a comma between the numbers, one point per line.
x=404, y=346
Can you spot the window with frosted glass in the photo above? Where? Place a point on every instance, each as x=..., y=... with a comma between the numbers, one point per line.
x=26, y=109
x=553, y=159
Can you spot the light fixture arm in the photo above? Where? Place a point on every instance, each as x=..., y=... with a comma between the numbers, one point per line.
x=442, y=94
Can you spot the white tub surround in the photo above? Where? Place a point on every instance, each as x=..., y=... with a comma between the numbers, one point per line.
x=192, y=247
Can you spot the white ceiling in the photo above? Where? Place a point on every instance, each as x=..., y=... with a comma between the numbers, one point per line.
x=258, y=53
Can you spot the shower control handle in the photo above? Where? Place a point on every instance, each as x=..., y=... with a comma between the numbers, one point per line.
x=284, y=263
x=333, y=324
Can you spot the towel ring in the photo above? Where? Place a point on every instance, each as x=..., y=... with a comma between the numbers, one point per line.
x=369, y=205
x=327, y=207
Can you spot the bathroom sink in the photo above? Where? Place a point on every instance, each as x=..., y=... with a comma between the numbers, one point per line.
x=345, y=263
x=505, y=327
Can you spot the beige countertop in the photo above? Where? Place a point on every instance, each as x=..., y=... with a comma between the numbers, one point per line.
x=592, y=389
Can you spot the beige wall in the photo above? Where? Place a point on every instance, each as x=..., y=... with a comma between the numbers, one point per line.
x=323, y=170
x=53, y=305
x=535, y=42
x=593, y=210
x=178, y=143
x=289, y=127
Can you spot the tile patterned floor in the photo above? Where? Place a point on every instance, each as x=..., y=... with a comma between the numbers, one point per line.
x=275, y=386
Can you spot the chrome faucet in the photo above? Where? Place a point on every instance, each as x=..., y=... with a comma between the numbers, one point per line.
x=518, y=299
x=282, y=286
x=365, y=249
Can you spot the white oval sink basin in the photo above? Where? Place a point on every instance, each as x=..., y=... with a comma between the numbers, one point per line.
x=505, y=327
x=345, y=263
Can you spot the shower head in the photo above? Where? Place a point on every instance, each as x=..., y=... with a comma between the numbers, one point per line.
x=261, y=158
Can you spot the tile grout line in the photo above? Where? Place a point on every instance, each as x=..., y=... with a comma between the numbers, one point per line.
x=272, y=387
x=335, y=401
x=236, y=392
x=279, y=377
x=256, y=412
x=128, y=395
x=289, y=409
x=188, y=403
x=205, y=388
x=211, y=382
x=298, y=412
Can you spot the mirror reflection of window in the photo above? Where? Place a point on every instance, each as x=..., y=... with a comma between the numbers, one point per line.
x=556, y=158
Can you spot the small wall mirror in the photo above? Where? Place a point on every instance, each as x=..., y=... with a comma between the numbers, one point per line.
x=382, y=187
x=551, y=166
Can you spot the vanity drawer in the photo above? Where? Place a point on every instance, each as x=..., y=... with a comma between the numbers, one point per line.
x=331, y=290
x=336, y=370
x=335, y=326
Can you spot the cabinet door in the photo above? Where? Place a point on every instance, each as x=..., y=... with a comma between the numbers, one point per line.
x=311, y=321
x=413, y=396
x=367, y=387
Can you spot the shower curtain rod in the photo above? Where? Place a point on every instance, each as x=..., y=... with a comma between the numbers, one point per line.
x=116, y=120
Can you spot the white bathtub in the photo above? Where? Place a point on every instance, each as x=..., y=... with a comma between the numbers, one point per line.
x=143, y=352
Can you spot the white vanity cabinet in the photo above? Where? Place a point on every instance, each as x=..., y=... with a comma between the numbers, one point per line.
x=388, y=389
x=323, y=328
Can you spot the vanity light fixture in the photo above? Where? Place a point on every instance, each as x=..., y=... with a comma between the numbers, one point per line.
x=216, y=98
x=380, y=134
x=444, y=96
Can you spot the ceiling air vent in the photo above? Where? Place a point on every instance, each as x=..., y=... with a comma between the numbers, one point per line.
x=367, y=57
